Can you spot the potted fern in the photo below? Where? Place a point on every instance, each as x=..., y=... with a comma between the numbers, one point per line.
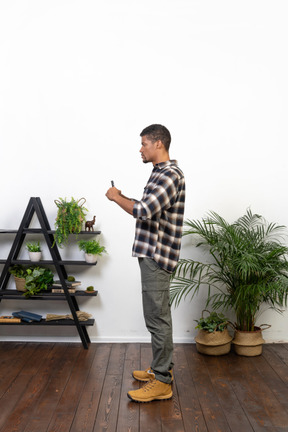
x=248, y=268
x=70, y=217
x=91, y=249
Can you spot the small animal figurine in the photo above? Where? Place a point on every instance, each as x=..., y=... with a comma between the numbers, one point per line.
x=89, y=224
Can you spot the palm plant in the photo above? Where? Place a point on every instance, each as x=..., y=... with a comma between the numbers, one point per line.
x=249, y=266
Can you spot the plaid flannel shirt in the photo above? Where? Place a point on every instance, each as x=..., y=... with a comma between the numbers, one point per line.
x=159, y=216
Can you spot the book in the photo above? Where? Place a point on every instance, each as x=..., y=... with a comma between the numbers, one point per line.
x=21, y=318
x=9, y=319
x=57, y=283
x=27, y=315
x=61, y=290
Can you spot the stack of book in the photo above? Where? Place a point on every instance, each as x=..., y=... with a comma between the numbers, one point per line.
x=27, y=316
x=57, y=286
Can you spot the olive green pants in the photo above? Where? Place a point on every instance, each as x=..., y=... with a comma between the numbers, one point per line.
x=157, y=315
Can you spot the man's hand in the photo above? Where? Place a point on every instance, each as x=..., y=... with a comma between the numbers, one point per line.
x=113, y=193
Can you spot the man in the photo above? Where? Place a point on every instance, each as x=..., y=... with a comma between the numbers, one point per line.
x=159, y=220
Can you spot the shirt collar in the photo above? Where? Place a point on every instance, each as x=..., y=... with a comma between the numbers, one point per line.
x=166, y=163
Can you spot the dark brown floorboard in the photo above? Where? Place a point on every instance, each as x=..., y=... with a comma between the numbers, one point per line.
x=63, y=388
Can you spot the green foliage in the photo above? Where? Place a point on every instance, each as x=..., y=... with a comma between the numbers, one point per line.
x=90, y=288
x=70, y=217
x=91, y=247
x=33, y=246
x=248, y=266
x=213, y=322
x=37, y=278
x=18, y=270
x=70, y=278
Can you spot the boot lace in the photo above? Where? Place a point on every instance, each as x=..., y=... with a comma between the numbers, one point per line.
x=150, y=384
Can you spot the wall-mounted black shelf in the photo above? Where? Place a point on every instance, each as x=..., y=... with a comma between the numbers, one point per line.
x=49, y=262
x=35, y=206
x=17, y=295
x=62, y=322
x=40, y=231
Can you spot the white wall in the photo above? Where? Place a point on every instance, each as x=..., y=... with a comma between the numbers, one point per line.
x=79, y=80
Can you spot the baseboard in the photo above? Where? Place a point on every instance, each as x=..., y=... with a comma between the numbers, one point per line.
x=104, y=339
x=93, y=340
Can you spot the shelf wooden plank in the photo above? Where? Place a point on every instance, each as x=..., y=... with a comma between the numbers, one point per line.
x=40, y=231
x=50, y=262
x=18, y=295
x=61, y=322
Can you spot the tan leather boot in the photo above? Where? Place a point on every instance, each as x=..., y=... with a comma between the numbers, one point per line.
x=153, y=390
x=147, y=375
x=144, y=376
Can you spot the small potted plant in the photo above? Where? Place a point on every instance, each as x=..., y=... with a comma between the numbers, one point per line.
x=34, y=251
x=90, y=289
x=19, y=272
x=213, y=337
x=33, y=279
x=69, y=220
x=92, y=249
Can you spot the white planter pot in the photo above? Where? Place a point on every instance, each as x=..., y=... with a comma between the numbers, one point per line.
x=90, y=258
x=35, y=256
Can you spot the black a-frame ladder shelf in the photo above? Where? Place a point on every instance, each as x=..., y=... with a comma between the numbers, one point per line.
x=35, y=207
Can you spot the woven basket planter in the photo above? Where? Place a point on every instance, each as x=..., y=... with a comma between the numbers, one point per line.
x=20, y=284
x=216, y=343
x=249, y=344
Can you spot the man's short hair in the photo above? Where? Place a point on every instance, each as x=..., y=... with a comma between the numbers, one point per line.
x=157, y=132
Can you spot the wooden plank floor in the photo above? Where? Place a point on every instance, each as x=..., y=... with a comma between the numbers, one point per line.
x=62, y=387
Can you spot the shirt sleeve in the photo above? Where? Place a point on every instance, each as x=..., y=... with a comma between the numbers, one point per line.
x=161, y=197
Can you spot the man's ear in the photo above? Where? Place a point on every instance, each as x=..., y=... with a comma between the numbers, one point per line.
x=159, y=144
